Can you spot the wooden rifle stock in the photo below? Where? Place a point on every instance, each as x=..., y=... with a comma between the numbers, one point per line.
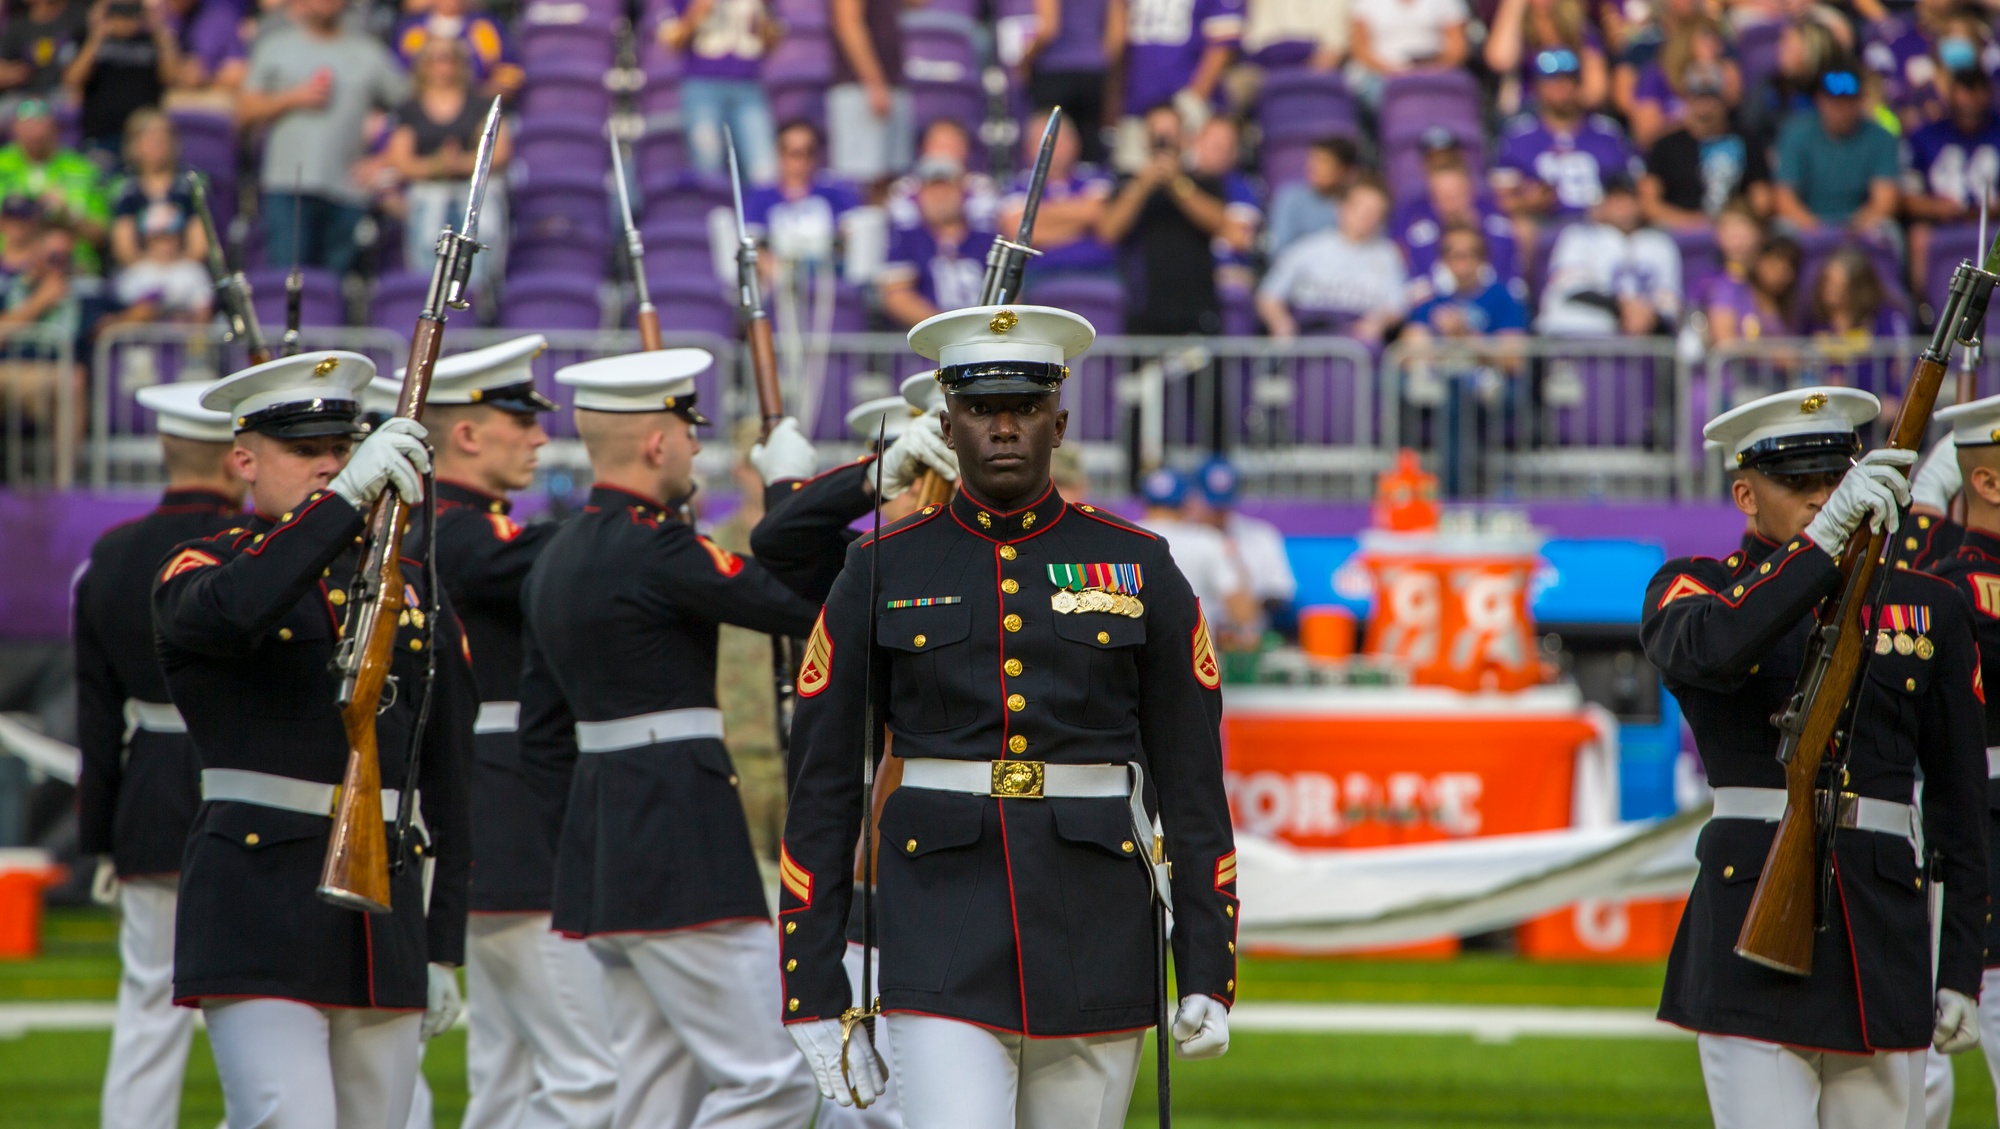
x=649, y=329
x=356, y=872
x=1778, y=929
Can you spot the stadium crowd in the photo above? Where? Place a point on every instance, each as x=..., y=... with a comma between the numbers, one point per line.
x=1367, y=168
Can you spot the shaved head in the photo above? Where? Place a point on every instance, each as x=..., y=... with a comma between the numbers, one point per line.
x=647, y=453
x=617, y=440
x=1981, y=467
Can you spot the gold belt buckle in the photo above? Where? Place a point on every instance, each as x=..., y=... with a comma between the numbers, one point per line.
x=1017, y=780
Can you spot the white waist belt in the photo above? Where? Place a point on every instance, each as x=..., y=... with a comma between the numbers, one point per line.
x=498, y=717
x=283, y=792
x=1992, y=761
x=1863, y=813
x=1027, y=780
x=153, y=717
x=647, y=729
x=1018, y=779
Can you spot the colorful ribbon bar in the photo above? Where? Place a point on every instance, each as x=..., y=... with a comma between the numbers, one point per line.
x=925, y=602
x=1126, y=579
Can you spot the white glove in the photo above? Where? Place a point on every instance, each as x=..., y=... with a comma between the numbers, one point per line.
x=1874, y=491
x=394, y=455
x=1201, y=1028
x=1957, y=1029
x=785, y=453
x=442, y=1003
x=104, y=883
x=1937, y=479
x=819, y=1041
x=921, y=447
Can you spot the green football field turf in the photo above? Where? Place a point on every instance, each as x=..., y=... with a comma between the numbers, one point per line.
x=49, y=1080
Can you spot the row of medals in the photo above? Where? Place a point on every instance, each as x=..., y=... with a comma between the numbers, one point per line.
x=1096, y=600
x=1903, y=644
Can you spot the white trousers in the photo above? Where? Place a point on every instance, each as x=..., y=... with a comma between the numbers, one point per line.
x=1757, y=1085
x=885, y=1112
x=150, y=1039
x=288, y=1065
x=695, y=1031
x=538, y=1052
x=959, y=1076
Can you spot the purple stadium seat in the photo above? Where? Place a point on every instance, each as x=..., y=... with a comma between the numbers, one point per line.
x=397, y=299
x=1950, y=245
x=559, y=256
x=1757, y=53
x=1405, y=162
x=658, y=156
x=797, y=100
x=1100, y=300
x=1239, y=311
x=660, y=95
x=677, y=246
x=587, y=43
x=802, y=56
x=551, y=301
x=1414, y=102
x=1284, y=162
x=565, y=89
x=320, y=302
x=693, y=306
x=938, y=49
x=687, y=199
x=566, y=147
x=1306, y=105
x=967, y=8
x=962, y=102
x=208, y=144
x=798, y=14
x=1701, y=259
x=551, y=208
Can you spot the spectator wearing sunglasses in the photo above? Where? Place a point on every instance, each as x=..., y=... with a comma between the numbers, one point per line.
x=1552, y=165
x=1836, y=167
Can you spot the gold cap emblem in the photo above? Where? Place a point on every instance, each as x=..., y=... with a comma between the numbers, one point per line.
x=1813, y=403
x=1003, y=321
x=326, y=366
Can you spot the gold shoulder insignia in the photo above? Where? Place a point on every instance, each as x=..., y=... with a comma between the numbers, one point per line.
x=184, y=561
x=1684, y=585
x=817, y=668
x=1206, y=671
x=1986, y=593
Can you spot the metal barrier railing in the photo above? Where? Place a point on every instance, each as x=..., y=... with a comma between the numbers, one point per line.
x=1312, y=417
x=1521, y=417
x=41, y=395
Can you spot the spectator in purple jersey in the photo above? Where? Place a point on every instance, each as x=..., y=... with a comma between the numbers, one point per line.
x=869, y=115
x=1552, y=166
x=1068, y=63
x=1523, y=29
x=943, y=139
x=1477, y=301
x=722, y=45
x=940, y=263
x=495, y=69
x=1693, y=171
x=1217, y=153
x=1451, y=199
x=1659, y=100
x=1850, y=311
x=1912, y=53
x=1751, y=297
x=1392, y=37
x=1175, y=53
x=1073, y=203
x=1953, y=164
x=799, y=216
x=211, y=46
x=1164, y=220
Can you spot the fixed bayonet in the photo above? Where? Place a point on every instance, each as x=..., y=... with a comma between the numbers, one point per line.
x=295, y=281
x=232, y=290
x=1007, y=259
x=457, y=248
x=635, y=252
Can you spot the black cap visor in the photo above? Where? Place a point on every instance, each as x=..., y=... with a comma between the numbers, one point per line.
x=683, y=406
x=1817, y=453
x=1003, y=378
x=520, y=397
x=304, y=419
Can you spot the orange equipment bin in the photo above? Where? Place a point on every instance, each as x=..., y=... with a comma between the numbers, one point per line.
x=24, y=874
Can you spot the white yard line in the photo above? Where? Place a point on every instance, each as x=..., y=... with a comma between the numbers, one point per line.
x=1485, y=1024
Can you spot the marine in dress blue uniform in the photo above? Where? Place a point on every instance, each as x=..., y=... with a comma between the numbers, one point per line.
x=1969, y=557
x=1844, y=1046
x=538, y=1046
x=139, y=785
x=654, y=864
x=314, y=1011
x=1030, y=658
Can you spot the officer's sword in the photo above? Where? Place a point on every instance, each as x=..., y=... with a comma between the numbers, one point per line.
x=1007, y=259
x=863, y=1013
